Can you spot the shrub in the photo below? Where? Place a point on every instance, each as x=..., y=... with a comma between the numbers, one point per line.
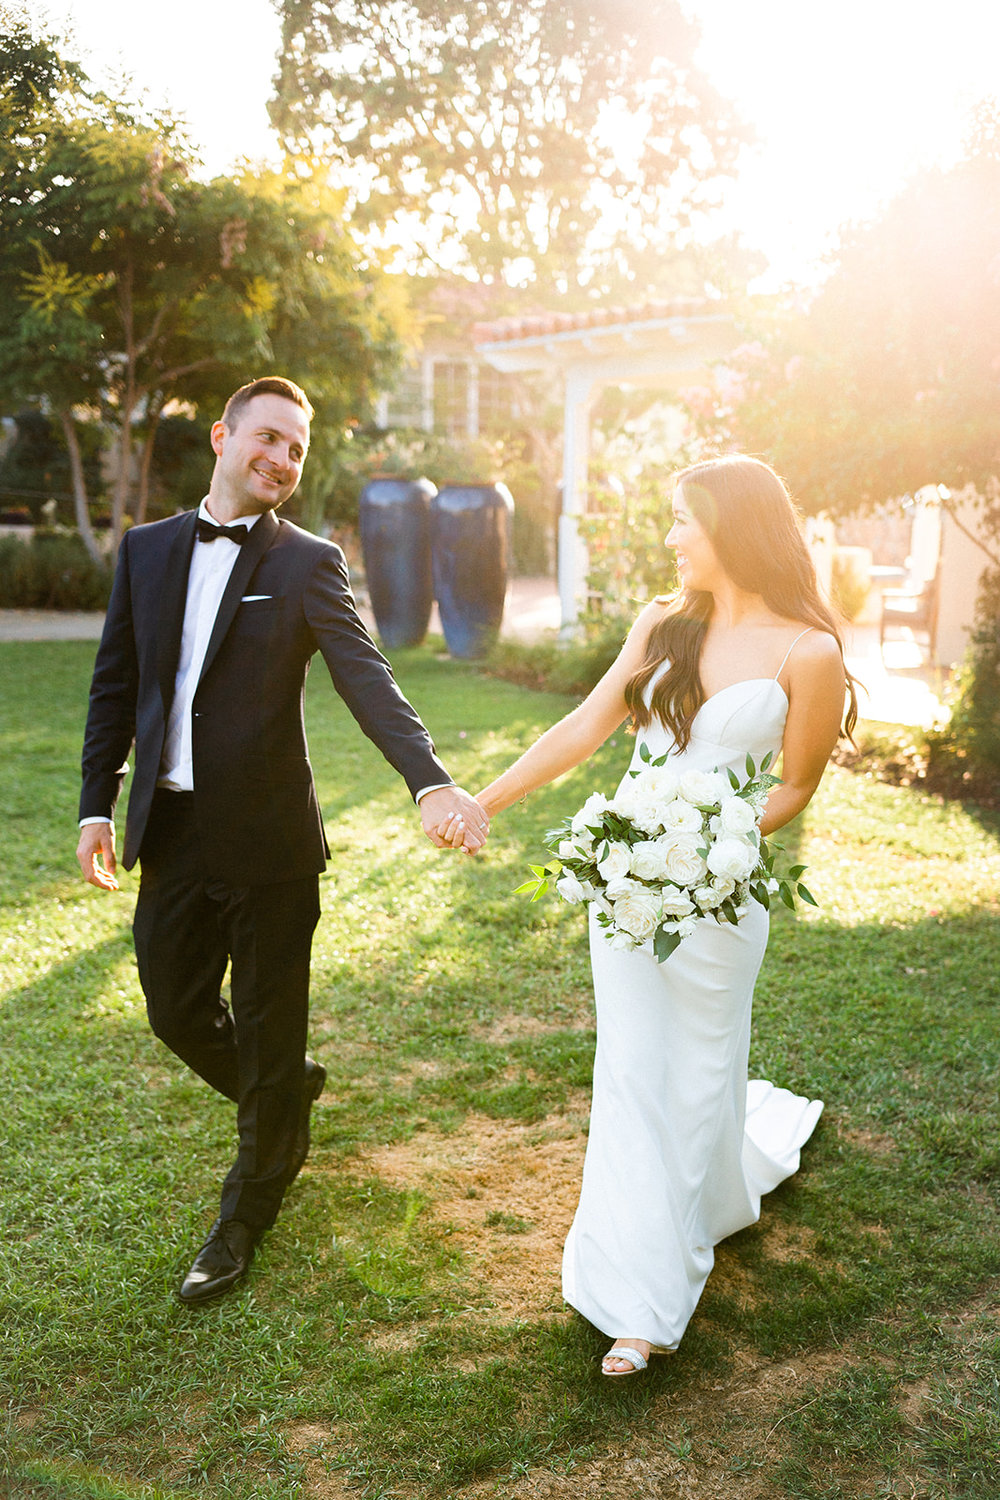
x=849, y=584
x=624, y=532
x=52, y=571
x=562, y=666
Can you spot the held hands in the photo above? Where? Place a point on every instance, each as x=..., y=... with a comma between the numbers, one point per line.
x=454, y=820
x=96, y=853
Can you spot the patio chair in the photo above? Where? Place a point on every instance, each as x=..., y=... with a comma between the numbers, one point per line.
x=915, y=607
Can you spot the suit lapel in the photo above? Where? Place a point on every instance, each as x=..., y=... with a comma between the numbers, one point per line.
x=173, y=598
x=261, y=536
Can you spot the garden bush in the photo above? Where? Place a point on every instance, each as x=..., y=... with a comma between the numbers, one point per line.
x=562, y=666
x=52, y=571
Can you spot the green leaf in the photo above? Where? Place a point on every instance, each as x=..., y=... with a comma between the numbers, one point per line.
x=787, y=897
x=664, y=943
x=807, y=895
x=751, y=768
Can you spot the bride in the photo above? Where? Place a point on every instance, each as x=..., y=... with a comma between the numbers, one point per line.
x=745, y=658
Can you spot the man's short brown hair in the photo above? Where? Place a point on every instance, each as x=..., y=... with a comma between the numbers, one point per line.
x=267, y=385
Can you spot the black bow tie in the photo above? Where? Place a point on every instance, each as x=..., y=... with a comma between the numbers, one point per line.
x=207, y=531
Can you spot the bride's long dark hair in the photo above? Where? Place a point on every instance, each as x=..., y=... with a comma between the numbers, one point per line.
x=754, y=528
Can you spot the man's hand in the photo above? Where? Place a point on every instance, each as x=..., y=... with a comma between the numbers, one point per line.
x=454, y=820
x=96, y=853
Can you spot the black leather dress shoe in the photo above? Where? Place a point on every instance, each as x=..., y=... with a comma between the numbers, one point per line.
x=222, y=1260
x=314, y=1086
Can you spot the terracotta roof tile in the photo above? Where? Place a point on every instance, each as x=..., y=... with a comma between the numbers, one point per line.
x=537, y=325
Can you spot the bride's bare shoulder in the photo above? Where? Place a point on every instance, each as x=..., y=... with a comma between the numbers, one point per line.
x=634, y=650
x=656, y=610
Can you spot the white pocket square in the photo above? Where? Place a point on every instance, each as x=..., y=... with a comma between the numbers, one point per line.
x=251, y=598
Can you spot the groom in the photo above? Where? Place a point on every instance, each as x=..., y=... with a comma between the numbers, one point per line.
x=213, y=619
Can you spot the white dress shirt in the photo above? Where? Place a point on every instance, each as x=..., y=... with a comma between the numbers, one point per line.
x=211, y=564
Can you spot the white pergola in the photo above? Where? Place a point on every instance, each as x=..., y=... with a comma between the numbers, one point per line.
x=674, y=349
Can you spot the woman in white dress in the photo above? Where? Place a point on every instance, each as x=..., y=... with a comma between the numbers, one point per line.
x=746, y=658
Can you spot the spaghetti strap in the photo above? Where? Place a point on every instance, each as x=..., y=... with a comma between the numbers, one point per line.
x=791, y=649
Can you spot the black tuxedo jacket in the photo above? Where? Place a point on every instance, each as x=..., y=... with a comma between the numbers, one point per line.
x=255, y=801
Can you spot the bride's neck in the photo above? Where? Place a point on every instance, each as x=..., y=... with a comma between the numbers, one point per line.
x=733, y=607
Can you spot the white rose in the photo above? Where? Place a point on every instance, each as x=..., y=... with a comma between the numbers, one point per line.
x=626, y=799
x=620, y=939
x=686, y=926
x=677, y=903
x=616, y=862
x=638, y=913
x=649, y=861
x=681, y=815
x=648, y=817
x=571, y=889
x=684, y=864
x=732, y=857
x=703, y=787
x=708, y=897
x=590, y=812
x=737, y=816
x=620, y=886
x=723, y=886
x=569, y=849
x=656, y=783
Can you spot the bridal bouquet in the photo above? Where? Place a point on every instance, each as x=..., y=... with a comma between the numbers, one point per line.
x=669, y=849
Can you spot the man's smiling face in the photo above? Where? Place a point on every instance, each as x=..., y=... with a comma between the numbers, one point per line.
x=259, y=461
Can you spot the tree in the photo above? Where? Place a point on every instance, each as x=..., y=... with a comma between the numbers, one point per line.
x=127, y=284
x=552, y=141
x=889, y=378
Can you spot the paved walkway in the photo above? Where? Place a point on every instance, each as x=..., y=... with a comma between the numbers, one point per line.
x=898, y=689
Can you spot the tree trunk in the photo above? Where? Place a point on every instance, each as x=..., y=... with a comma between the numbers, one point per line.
x=81, y=504
x=126, y=409
x=146, y=466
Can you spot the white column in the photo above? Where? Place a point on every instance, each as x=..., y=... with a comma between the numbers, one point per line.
x=427, y=392
x=471, y=400
x=573, y=560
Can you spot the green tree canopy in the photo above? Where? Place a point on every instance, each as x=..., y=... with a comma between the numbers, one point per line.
x=556, y=141
x=889, y=379
x=127, y=283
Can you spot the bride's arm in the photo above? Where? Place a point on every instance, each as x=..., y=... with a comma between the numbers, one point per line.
x=815, y=714
x=570, y=741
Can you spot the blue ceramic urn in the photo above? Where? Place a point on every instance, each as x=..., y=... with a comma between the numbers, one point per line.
x=470, y=554
x=395, y=544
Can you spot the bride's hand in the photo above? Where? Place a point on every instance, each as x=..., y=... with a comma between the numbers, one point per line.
x=454, y=820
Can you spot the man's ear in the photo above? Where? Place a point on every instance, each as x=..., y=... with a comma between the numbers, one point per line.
x=219, y=431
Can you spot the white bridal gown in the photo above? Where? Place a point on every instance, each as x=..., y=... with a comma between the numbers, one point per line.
x=681, y=1147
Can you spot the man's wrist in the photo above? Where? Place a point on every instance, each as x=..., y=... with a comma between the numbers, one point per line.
x=441, y=786
x=85, y=822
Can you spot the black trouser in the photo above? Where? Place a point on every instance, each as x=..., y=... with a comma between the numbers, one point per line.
x=187, y=928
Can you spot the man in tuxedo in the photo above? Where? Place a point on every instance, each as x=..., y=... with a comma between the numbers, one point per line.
x=213, y=619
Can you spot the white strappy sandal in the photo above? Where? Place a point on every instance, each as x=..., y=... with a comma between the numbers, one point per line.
x=632, y=1357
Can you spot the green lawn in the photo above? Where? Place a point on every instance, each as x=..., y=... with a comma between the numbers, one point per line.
x=401, y=1332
